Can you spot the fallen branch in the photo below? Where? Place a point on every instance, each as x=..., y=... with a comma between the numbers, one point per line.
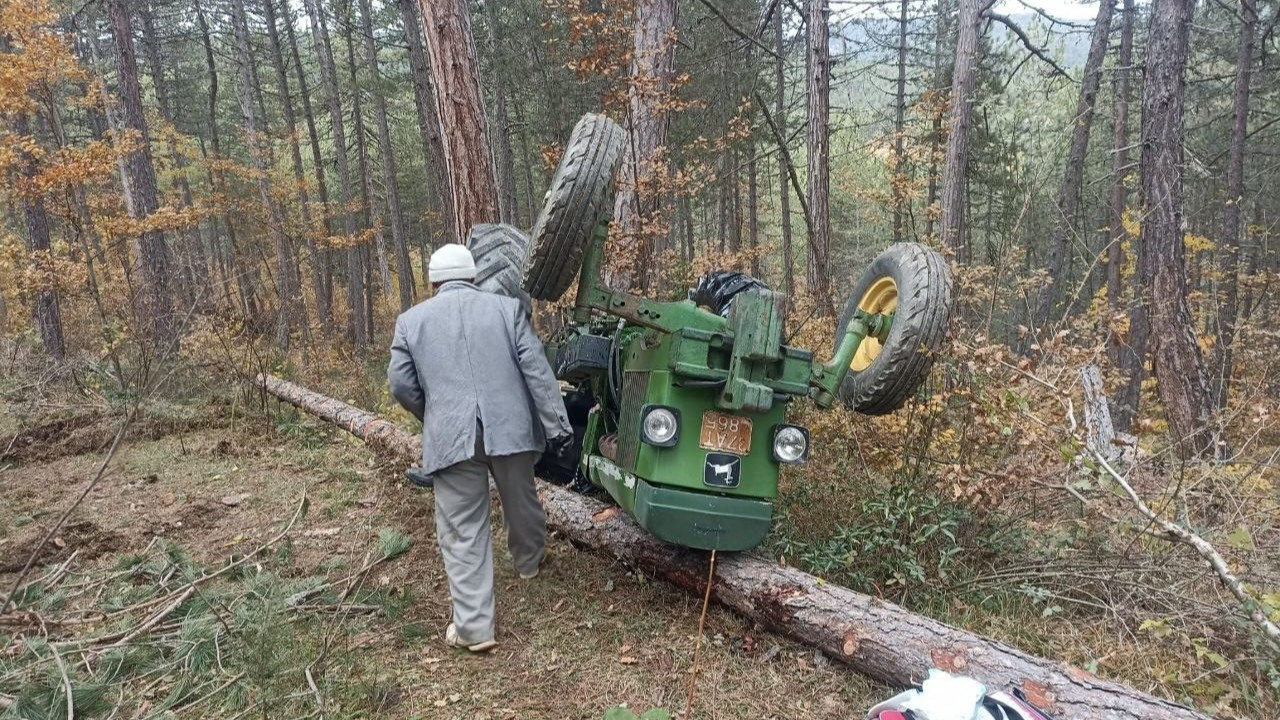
x=876, y=638
x=1172, y=531
x=102, y=469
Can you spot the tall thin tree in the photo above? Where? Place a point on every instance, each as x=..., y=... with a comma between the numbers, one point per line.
x=1223, y=357
x=1116, y=233
x=390, y=178
x=155, y=302
x=1176, y=359
x=306, y=229
x=963, y=81
x=357, y=330
x=1065, y=219
x=818, y=140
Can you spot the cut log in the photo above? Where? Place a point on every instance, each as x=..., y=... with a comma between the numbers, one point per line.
x=875, y=638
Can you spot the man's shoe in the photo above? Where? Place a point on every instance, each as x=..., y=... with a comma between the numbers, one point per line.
x=452, y=640
x=418, y=478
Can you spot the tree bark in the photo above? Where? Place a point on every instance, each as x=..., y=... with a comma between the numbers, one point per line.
x=1227, y=307
x=499, y=123
x=818, y=141
x=780, y=121
x=1176, y=359
x=46, y=310
x=1068, y=205
x=1117, y=234
x=873, y=637
x=451, y=50
x=188, y=247
x=295, y=153
x=638, y=206
x=155, y=302
x=898, y=183
x=371, y=215
x=963, y=79
x=440, y=192
x=246, y=277
x=325, y=257
x=753, y=211
x=357, y=332
x=404, y=271
x=292, y=315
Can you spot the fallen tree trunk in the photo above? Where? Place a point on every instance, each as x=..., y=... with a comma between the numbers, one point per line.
x=876, y=638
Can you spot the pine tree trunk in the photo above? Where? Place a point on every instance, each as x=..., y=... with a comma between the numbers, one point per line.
x=780, y=119
x=1117, y=234
x=325, y=255
x=499, y=125
x=1227, y=308
x=155, y=302
x=818, y=136
x=637, y=208
x=404, y=271
x=295, y=153
x=963, y=78
x=187, y=247
x=357, y=331
x=1176, y=359
x=898, y=183
x=246, y=278
x=451, y=50
x=753, y=212
x=1068, y=205
x=291, y=314
x=371, y=215
x=46, y=312
x=440, y=192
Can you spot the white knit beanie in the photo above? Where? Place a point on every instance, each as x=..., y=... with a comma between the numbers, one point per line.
x=451, y=262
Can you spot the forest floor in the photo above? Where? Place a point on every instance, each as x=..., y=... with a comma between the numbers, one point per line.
x=212, y=483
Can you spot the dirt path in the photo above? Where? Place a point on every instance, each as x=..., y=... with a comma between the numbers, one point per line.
x=586, y=635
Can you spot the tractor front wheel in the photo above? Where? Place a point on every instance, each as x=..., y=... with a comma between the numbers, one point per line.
x=912, y=283
x=581, y=191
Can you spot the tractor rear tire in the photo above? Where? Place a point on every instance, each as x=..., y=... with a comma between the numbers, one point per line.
x=921, y=290
x=499, y=252
x=581, y=191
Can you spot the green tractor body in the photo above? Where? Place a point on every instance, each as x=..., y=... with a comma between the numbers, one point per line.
x=680, y=412
x=724, y=381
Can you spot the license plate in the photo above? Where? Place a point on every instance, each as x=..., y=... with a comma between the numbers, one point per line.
x=725, y=433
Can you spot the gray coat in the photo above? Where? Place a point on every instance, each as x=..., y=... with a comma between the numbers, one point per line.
x=468, y=355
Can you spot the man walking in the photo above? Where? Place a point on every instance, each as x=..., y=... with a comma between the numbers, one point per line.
x=467, y=363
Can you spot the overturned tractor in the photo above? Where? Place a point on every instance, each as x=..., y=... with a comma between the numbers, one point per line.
x=679, y=407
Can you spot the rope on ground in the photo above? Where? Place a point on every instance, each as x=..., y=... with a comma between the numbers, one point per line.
x=697, y=643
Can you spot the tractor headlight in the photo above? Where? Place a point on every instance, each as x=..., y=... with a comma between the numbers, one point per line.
x=790, y=444
x=660, y=425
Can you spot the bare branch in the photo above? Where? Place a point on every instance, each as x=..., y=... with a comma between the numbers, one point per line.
x=786, y=160
x=1026, y=42
x=734, y=28
x=1174, y=532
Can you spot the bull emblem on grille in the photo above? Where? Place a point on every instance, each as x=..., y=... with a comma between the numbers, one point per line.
x=722, y=470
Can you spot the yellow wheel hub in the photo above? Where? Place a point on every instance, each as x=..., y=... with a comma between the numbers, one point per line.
x=879, y=299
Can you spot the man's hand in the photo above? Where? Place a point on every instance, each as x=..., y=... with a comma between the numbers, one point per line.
x=558, y=446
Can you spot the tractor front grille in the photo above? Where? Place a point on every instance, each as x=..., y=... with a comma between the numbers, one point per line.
x=634, y=386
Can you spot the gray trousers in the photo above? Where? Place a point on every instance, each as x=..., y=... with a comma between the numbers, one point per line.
x=466, y=542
